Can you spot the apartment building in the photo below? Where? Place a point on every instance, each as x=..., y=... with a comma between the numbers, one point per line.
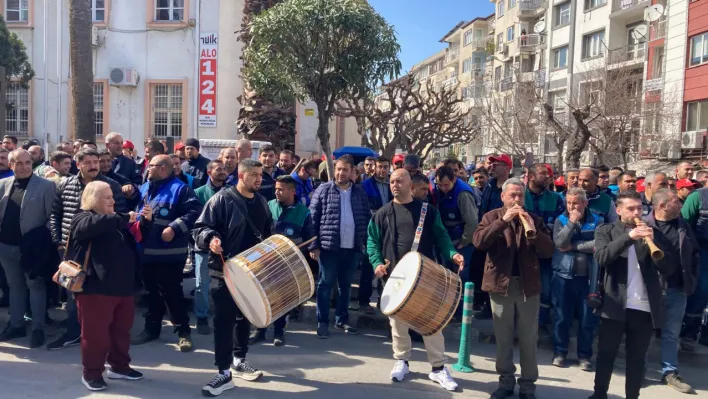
x=695, y=89
x=162, y=68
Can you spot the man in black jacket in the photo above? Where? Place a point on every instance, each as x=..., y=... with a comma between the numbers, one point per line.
x=196, y=164
x=224, y=230
x=632, y=302
x=66, y=205
x=666, y=217
x=121, y=164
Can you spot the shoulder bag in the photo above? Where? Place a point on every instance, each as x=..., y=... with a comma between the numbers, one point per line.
x=70, y=274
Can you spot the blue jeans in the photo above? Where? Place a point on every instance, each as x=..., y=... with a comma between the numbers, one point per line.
x=697, y=302
x=674, y=307
x=336, y=266
x=201, y=291
x=568, y=297
x=544, y=313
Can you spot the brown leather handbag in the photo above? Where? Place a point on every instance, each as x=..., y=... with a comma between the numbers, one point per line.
x=70, y=274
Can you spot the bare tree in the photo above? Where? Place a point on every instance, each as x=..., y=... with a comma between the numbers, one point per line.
x=417, y=117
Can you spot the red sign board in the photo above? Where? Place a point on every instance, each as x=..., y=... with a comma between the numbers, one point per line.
x=208, y=56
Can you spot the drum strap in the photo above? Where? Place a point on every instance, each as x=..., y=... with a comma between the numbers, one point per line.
x=242, y=207
x=419, y=230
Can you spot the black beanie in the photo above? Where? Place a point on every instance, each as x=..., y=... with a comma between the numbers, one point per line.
x=192, y=143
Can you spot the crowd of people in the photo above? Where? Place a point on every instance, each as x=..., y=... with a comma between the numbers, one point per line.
x=542, y=251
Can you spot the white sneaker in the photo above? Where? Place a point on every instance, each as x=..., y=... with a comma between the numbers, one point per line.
x=399, y=371
x=443, y=378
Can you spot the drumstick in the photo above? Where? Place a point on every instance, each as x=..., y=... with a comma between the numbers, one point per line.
x=302, y=244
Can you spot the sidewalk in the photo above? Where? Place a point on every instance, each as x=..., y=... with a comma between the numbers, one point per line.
x=341, y=367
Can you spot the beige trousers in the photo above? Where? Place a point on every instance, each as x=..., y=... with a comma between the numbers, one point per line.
x=434, y=344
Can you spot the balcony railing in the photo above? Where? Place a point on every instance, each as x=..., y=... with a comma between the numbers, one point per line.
x=531, y=7
x=479, y=43
x=618, y=5
x=633, y=52
x=450, y=82
x=452, y=54
x=657, y=30
x=530, y=42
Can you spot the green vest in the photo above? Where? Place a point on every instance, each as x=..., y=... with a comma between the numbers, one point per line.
x=600, y=204
x=289, y=221
x=204, y=193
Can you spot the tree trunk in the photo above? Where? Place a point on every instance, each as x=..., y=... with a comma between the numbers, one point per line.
x=3, y=101
x=81, y=56
x=323, y=136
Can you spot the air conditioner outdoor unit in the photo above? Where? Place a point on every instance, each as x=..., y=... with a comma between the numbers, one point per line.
x=94, y=36
x=124, y=77
x=692, y=140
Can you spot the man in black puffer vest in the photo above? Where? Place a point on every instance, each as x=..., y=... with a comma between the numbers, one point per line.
x=66, y=205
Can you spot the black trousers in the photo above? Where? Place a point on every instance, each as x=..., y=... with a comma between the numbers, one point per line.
x=638, y=328
x=366, y=280
x=231, y=328
x=163, y=282
x=481, y=298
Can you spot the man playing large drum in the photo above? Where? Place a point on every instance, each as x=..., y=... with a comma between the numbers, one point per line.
x=224, y=229
x=391, y=242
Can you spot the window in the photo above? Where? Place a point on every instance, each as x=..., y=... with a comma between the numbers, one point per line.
x=697, y=116
x=469, y=37
x=512, y=4
x=591, y=92
x=423, y=73
x=466, y=92
x=560, y=57
x=166, y=110
x=561, y=14
x=657, y=70
x=17, y=116
x=500, y=41
x=510, y=34
x=98, y=10
x=593, y=44
x=17, y=10
x=590, y=4
x=98, y=95
x=500, y=9
x=699, y=49
x=433, y=68
x=169, y=10
x=467, y=65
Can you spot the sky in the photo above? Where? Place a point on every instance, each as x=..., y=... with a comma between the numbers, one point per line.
x=420, y=24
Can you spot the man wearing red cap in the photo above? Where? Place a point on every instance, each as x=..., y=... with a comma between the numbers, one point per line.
x=180, y=151
x=398, y=161
x=491, y=197
x=684, y=187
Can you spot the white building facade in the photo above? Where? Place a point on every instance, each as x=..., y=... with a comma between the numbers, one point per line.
x=146, y=64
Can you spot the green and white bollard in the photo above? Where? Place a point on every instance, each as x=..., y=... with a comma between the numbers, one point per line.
x=463, y=357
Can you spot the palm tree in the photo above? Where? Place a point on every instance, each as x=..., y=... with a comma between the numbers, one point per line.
x=81, y=58
x=259, y=118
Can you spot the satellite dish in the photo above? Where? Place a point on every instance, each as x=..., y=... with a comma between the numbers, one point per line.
x=540, y=26
x=640, y=32
x=653, y=13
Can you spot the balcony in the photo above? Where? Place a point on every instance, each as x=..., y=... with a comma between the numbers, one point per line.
x=450, y=82
x=479, y=44
x=474, y=92
x=531, y=8
x=657, y=30
x=490, y=24
x=505, y=84
x=530, y=42
x=628, y=9
x=630, y=56
x=452, y=55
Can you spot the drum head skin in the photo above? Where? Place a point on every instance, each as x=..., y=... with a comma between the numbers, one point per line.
x=400, y=283
x=248, y=295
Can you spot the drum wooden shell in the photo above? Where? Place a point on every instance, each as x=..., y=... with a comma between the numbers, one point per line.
x=422, y=294
x=269, y=280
